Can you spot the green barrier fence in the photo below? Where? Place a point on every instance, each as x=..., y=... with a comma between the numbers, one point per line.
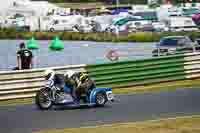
x=145, y=61
x=129, y=73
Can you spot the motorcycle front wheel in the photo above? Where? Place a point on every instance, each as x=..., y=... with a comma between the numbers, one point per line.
x=43, y=100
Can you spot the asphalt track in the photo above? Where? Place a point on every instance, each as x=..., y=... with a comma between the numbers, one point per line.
x=127, y=108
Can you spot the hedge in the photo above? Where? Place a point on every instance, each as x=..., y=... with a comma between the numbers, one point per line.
x=99, y=37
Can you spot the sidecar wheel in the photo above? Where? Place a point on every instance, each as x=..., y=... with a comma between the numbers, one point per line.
x=100, y=99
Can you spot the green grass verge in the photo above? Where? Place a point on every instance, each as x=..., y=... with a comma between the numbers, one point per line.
x=174, y=125
x=17, y=102
x=169, y=86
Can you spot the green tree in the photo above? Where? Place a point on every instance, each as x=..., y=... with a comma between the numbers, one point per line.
x=85, y=1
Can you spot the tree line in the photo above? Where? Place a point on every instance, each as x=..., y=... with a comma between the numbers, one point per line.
x=104, y=1
x=114, y=1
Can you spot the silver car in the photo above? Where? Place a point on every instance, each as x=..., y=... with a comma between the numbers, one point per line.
x=174, y=45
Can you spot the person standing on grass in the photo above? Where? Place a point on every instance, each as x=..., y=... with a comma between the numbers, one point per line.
x=24, y=58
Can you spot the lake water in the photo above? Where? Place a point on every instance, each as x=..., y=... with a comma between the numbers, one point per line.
x=75, y=52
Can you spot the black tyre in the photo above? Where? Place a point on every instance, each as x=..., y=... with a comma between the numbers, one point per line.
x=43, y=100
x=52, y=30
x=100, y=99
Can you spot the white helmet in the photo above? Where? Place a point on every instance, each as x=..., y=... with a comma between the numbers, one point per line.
x=69, y=73
x=49, y=74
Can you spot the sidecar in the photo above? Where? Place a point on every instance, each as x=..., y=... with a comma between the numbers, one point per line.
x=97, y=96
x=51, y=95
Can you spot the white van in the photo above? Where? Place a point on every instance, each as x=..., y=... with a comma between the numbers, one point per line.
x=60, y=24
x=181, y=24
x=64, y=23
x=76, y=23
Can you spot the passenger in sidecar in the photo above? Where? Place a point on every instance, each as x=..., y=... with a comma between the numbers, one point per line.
x=81, y=87
x=78, y=84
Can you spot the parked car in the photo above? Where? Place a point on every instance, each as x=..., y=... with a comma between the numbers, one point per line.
x=1, y=21
x=139, y=24
x=173, y=45
x=176, y=24
x=159, y=26
x=198, y=41
x=60, y=25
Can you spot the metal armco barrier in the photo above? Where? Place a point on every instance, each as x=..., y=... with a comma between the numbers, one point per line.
x=24, y=84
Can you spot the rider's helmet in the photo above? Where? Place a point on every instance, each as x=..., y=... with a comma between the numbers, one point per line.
x=83, y=77
x=49, y=74
x=69, y=74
